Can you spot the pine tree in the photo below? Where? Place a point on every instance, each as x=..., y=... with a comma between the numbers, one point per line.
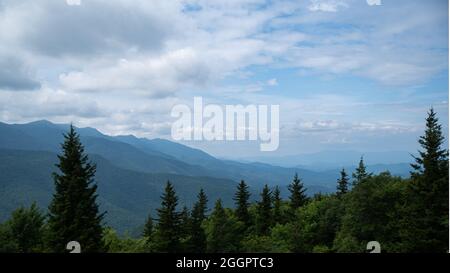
x=241, y=199
x=185, y=222
x=148, y=228
x=342, y=183
x=298, y=197
x=277, y=216
x=360, y=173
x=73, y=213
x=27, y=227
x=264, y=215
x=167, y=236
x=428, y=202
x=222, y=231
x=197, y=243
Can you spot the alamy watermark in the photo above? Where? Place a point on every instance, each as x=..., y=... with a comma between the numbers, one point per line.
x=228, y=123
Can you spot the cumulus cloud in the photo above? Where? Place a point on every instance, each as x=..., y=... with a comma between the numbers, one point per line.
x=327, y=5
x=112, y=63
x=73, y=2
x=272, y=82
x=374, y=2
x=160, y=76
x=96, y=27
x=14, y=75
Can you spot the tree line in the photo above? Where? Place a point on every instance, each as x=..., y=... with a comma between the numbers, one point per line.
x=403, y=215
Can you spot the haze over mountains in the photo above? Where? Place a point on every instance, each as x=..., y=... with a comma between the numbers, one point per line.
x=131, y=171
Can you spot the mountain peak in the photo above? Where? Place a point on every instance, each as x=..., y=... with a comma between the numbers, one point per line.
x=41, y=122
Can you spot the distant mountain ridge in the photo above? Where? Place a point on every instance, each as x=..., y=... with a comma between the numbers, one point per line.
x=132, y=171
x=327, y=160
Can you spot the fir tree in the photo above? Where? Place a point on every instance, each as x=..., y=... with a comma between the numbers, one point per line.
x=428, y=199
x=185, y=222
x=198, y=237
x=360, y=173
x=277, y=216
x=73, y=212
x=264, y=215
x=223, y=232
x=27, y=228
x=342, y=183
x=167, y=236
x=241, y=199
x=298, y=197
x=148, y=228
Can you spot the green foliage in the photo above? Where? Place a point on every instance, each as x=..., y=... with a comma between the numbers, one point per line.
x=360, y=173
x=241, y=199
x=404, y=215
x=264, y=215
x=168, y=233
x=342, y=183
x=197, y=242
x=222, y=230
x=148, y=227
x=7, y=242
x=74, y=213
x=24, y=232
x=427, y=211
x=281, y=238
x=277, y=209
x=298, y=197
x=372, y=210
x=254, y=243
x=114, y=244
x=316, y=224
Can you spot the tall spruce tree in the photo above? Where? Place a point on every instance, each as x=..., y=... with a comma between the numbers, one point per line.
x=197, y=242
x=264, y=214
x=298, y=197
x=167, y=236
x=277, y=214
x=241, y=199
x=73, y=212
x=360, y=173
x=342, y=183
x=428, y=199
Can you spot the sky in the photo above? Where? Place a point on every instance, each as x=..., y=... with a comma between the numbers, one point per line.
x=347, y=74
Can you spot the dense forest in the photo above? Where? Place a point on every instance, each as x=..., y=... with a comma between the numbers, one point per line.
x=403, y=215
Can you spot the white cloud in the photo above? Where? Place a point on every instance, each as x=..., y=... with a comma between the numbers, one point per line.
x=327, y=5
x=73, y=2
x=272, y=82
x=118, y=65
x=374, y=2
x=150, y=76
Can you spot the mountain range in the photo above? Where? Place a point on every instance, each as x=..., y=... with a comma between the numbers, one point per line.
x=132, y=171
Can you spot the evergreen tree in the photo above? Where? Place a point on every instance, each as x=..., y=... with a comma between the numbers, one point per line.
x=428, y=198
x=264, y=214
x=342, y=183
x=185, y=222
x=27, y=228
x=198, y=237
x=167, y=236
x=148, y=227
x=223, y=232
x=360, y=173
x=241, y=199
x=73, y=212
x=298, y=197
x=277, y=216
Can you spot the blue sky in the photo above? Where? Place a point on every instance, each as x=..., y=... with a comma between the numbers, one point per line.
x=347, y=74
